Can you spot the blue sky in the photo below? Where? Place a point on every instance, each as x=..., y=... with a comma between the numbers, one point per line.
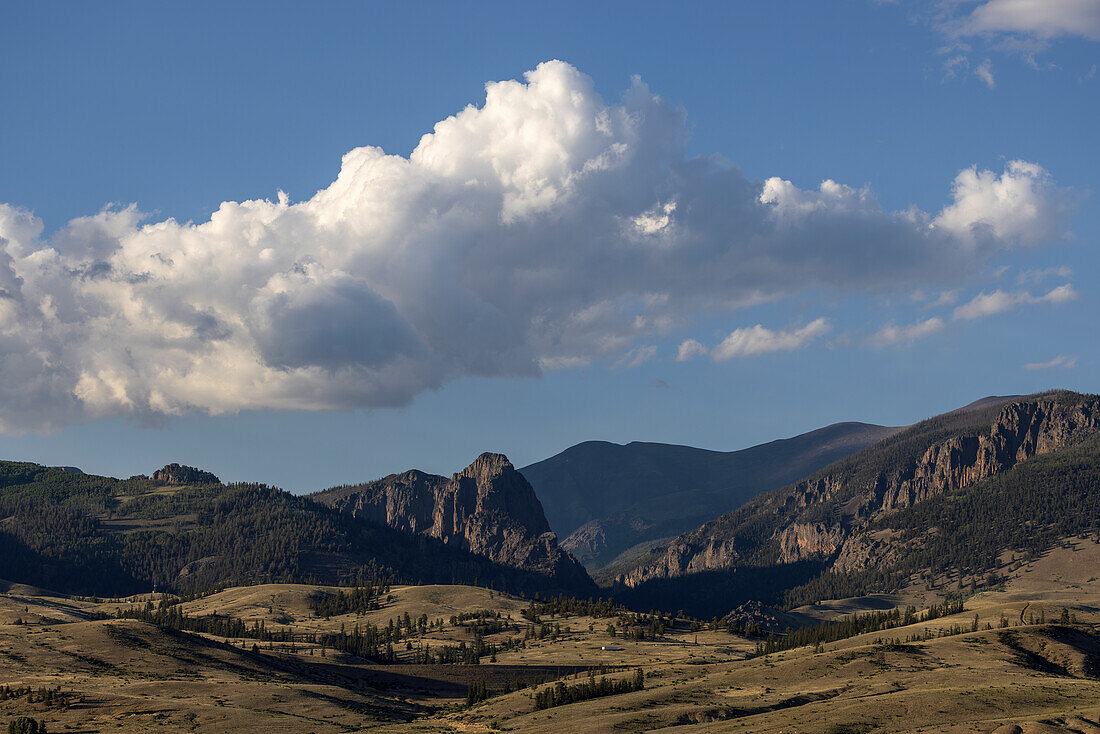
x=533, y=289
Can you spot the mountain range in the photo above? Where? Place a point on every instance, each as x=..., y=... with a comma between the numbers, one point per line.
x=864, y=509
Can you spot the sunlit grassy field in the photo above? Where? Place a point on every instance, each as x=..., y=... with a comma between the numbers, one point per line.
x=125, y=675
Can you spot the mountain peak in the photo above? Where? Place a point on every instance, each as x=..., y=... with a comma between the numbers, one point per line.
x=488, y=509
x=487, y=467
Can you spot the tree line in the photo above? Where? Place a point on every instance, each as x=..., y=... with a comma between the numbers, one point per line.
x=561, y=694
x=854, y=625
x=377, y=643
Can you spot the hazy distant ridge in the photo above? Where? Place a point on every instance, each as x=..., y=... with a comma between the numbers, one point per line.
x=604, y=498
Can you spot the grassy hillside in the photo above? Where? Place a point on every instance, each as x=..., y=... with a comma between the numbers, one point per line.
x=1009, y=659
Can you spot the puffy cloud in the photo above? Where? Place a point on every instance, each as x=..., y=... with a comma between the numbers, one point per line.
x=758, y=340
x=689, y=349
x=1060, y=361
x=892, y=333
x=1014, y=208
x=544, y=229
x=1061, y=294
x=1024, y=27
x=1043, y=19
x=987, y=304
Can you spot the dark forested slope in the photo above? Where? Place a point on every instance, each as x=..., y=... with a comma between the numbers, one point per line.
x=80, y=533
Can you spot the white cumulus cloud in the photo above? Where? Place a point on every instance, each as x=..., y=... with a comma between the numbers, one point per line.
x=1044, y=19
x=689, y=349
x=892, y=333
x=544, y=229
x=987, y=304
x=1015, y=207
x=759, y=340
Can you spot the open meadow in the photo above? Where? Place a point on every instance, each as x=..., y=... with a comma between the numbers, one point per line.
x=1012, y=658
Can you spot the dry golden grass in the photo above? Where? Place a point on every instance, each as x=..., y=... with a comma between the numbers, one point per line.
x=1028, y=678
x=270, y=602
x=134, y=677
x=129, y=676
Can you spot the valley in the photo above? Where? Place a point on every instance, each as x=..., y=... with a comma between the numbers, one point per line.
x=943, y=578
x=1038, y=673
x=549, y=367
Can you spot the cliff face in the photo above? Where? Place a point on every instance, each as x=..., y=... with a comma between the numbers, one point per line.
x=827, y=517
x=177, y=475
x=1022, y=430
x=488, y=509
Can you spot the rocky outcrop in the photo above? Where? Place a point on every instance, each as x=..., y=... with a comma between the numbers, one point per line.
x=758, y=620
x=864, y=549
x=827, y=517
x=699, y=550
x=808, y=540
x=589, y=540
x=179, y=475
x=488, y=509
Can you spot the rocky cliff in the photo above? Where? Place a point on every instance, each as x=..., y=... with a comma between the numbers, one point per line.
x=488, y=509
x=829, y=516
x=178, y=474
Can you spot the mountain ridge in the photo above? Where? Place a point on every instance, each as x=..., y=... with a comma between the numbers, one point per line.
x=836, y=521
x=605, y=498
x=958, y=488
